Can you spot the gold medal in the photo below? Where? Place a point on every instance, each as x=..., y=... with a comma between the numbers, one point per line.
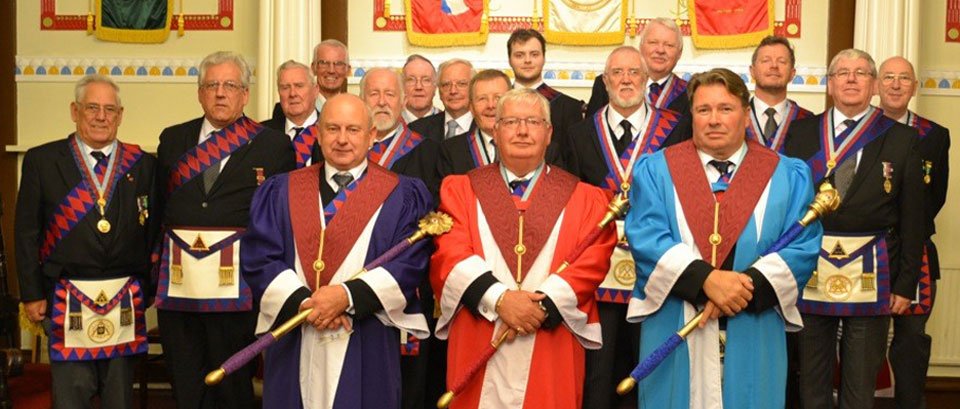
x=832, y=163
x=715, y=239
x=926, y=179
x=625, y=272
x=104, y=226
x=100, y=331
x=887, y=186
x=319, y=265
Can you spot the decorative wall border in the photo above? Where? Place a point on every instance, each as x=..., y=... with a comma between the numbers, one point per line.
x=223, y=20
x=384, y=21
x=562, y=74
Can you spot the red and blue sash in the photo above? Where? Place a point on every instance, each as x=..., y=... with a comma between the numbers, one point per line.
x=674, y=88
x=659, y=125
x=478, y=149
x=775, y=142
x=870, y=127
x=83, y=197
x=303, y=144
x=387, y=154
x=130, y=296
x=924, y=296
x=330, y=210
x=210, y=152
x=548, y=92
x=921, y=124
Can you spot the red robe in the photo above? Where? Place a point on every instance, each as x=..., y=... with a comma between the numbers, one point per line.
x=545, y=371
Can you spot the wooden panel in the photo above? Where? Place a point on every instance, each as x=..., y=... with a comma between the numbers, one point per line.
x=840, y=35
x=8, y=110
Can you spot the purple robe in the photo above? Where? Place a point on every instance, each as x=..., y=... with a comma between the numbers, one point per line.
x=370, y=373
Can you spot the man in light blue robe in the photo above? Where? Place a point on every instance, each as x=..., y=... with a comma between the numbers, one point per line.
x=703, y=212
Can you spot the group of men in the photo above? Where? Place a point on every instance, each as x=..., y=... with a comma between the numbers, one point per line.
x=237, y=226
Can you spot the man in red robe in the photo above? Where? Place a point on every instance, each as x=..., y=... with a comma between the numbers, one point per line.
x=514, y=223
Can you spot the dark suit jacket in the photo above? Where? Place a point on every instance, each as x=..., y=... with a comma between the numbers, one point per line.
x=49, y=173
x=867, y=207
x=228, y=203
x=564, y=113
x=599, y=98
x=430, y=126
x=935, y=148
x=455, y=158
x=584, y=156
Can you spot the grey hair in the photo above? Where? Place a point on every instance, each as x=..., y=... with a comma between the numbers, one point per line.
x=454, y=61
x=290, y=65
x=331, y=42
x=223, y=57
x=396, y=75
x=621, y=49
x=80, y=89
x=418, y=57
x=852, y=53
x=524, y=95
x=668, y=23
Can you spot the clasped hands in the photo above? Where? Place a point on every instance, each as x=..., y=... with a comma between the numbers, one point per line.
x=520, y=312
x=728, y=293
x=329, y=304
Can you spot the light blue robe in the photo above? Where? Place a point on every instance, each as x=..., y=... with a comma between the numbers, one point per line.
x=755, y=365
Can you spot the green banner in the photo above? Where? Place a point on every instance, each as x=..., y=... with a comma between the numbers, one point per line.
x=134, y=21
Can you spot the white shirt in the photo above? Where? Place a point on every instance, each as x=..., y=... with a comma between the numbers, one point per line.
x=517, y=85
x=463, y=122
x=409, y=117
x=396, y=129
x=735, y=160
x=637, y=120
x=205, y=130
x=488, y=144
x=328, y=172
x=320, y=101
x=838, y=127
x=903, y=119
x=289, y=125
x=86, y=150
x=760, y=108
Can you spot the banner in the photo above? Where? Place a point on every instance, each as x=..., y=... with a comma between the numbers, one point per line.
x=134, y=21
x=444, y=23
x=730, y=23
x=584, y=22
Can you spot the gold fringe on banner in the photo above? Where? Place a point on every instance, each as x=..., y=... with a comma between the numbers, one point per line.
x=123, y=35
x=572, y=38
x=448, y=39
x=180, y=22
x=728, y=41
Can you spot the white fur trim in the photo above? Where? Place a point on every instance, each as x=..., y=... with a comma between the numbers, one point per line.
x=391, y=297
x=566, y=301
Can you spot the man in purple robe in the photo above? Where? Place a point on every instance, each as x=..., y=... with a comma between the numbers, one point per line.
x=311, y=232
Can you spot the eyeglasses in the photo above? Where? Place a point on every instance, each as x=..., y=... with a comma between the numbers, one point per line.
x=513, y=122
x=447, y=85
x=857, y=74
x=109, y=111
x=904, y=79
x=228, y=86
x=630, y=72
x=423, y=81
x=338, y=65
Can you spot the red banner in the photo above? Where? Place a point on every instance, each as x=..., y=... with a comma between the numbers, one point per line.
x=436, y=23
x=730, y=23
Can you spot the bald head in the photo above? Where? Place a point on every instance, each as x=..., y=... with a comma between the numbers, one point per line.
x=896, y=85
x=346, y=131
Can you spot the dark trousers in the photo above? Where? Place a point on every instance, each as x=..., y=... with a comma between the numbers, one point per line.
x=196, y=343
x=910, y=358
x=76, y=383
x=793, y=372
x=863, y=345
x=605, y=367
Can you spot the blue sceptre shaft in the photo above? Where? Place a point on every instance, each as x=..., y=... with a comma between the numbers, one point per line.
x=826, y=201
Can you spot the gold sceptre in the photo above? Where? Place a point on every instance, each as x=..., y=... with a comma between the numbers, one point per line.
x=433, y=224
